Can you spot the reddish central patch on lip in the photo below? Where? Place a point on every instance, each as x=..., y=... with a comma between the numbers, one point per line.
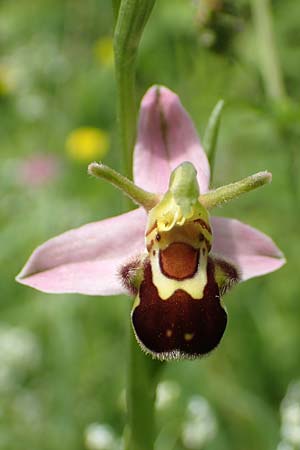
x=179, y=261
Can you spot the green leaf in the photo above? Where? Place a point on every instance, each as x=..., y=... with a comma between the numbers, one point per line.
x=211, y=133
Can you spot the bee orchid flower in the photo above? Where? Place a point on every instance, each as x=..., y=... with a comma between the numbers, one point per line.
x=174, y=258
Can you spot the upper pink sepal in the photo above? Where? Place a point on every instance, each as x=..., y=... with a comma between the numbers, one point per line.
x=252, y=252
x=166, y=138
x=87, y=260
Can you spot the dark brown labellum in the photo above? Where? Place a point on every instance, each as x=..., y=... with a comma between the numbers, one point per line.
x=181, y=326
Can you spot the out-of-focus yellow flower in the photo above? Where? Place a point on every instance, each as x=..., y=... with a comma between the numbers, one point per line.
x=104, y=51
x=7, y=83
x=87, y=143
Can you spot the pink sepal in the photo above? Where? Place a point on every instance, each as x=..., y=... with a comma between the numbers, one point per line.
x=87, y=260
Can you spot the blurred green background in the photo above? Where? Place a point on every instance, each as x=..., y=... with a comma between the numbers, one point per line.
x=63, y=358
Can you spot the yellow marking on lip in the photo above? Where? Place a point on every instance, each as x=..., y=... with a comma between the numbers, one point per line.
x=194, y=286
x=188, y=336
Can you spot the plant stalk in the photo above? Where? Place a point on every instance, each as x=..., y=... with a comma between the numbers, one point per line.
x=142, y=370
x=116, y=7
x=269, y=61
x=143, y=375
x=274, y=85
x=132, y=18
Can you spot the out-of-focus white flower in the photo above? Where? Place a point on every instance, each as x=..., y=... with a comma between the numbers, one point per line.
x=290, y=418
x=27, y=408
x=166, y=393
x=19, y=353
x=31, y=106
x=291, y=414
x=291, y=433
x=18, y=348
x=200, y=426
x=37, y=60
x=100, y=437
x=284, y=446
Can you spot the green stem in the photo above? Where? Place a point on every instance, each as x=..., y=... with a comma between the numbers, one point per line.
x=143, y=198
x=291, y=142
x=132, y=18
x=143, y=374
x=274, y=84
x=116, y=7
x=231, y=191
x=266, y=45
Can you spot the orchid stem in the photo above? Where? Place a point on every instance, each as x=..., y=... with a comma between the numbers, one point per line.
x=143, y=374
x=142, y=198
x=274, y=84
x=132, y=18
x=224, y=194
x=269, y=61
x=141, y=380
x=116, y=7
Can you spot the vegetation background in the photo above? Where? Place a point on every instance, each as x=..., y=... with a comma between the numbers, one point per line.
x=63, y=358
